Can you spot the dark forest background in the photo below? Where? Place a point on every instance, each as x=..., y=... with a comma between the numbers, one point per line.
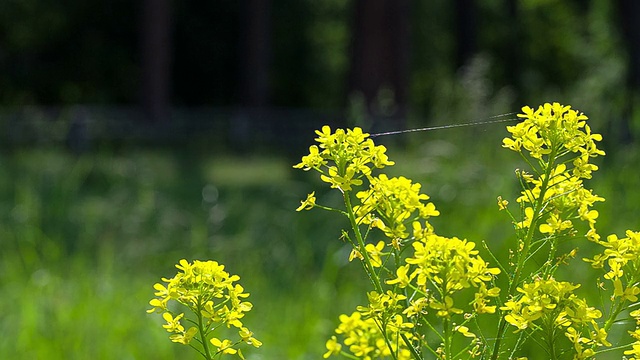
x=254, y=70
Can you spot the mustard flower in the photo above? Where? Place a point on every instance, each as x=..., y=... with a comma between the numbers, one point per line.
x=464, y=331
x=184, y=337
x=555, y=224
x=549, y=304
x=312, y=161
x=212, y=296
x=417, y=306
x=635, y=347
x=375, y=251
x=173, y=323
x=308, y=203
x=224, y=346
x=247, y=336
x=333, y=347
x=365, y=337
x=630, y=293
x=502, y=203
x=381, y=304
x=481, y=299
x=528, y=218
x=579, y=343
x=341, y=180
x=394, y=201
x=553, y=127
x=343, y=157
x=621, y=256
x=550, y=134
x=452, y=262
x=402, y=277
x=444, y=308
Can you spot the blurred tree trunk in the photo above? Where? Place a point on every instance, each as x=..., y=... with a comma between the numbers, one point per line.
x=156, y=49
x=512, y=51
x=629, y=12
x=255, y=48
x=466, y=29
x=254, y=57
x=380, y=61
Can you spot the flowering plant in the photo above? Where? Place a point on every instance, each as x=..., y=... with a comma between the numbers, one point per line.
x=435, y=297
x=209, y=293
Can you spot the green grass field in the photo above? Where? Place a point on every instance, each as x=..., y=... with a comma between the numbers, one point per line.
x=85, y=237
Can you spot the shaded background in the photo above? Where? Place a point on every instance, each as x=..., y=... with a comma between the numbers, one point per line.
x=134, y=134
x=233, y=67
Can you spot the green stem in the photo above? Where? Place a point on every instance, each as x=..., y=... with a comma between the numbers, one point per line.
x=614, y=316
x=447, y=337
x=203, y=332
x=369, y=269
x=382, y=326
x=551, y=341
x=413, y=350
x=513, y=285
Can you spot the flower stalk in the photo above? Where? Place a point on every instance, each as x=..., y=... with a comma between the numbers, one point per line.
x=419, y=277
x=210, y=294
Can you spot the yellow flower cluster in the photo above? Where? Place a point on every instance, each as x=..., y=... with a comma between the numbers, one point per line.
x=622, y=259
x=209, y=292
x=441, y=267
x=552, y=304
x=343, y=157
x=549, y=134
x=365, y=340
x=390, y=202
x=555, y=130
x=438, y=269
x=635, y=347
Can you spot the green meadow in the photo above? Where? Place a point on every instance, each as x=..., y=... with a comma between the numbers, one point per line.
x=85, y=237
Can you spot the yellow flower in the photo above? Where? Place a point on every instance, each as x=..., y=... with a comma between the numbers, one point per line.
x=464, y=331
x=417, y=307
x=173, y=324
x=445, y=308
x=364, y=338
x=159, y=305
x=599, y=336
x=343, y=157
x=333, y=347
x=344, y=181
x=512, y=144
x=626, y=294
x=247, y=336
x=480, y=302
x=555, y=224
x=374, y=252
x=186, y=337
x=502, y=203
x=212, y=295
x=308, y=203
x=548, y=304
x=224, y=346
x=355, y=254
x=312, y=161
x=528, y=217
x=402, y=278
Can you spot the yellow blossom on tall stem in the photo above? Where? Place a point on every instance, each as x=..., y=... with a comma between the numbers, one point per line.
x=431, y=292
x=406, y=287
x=213, y=298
